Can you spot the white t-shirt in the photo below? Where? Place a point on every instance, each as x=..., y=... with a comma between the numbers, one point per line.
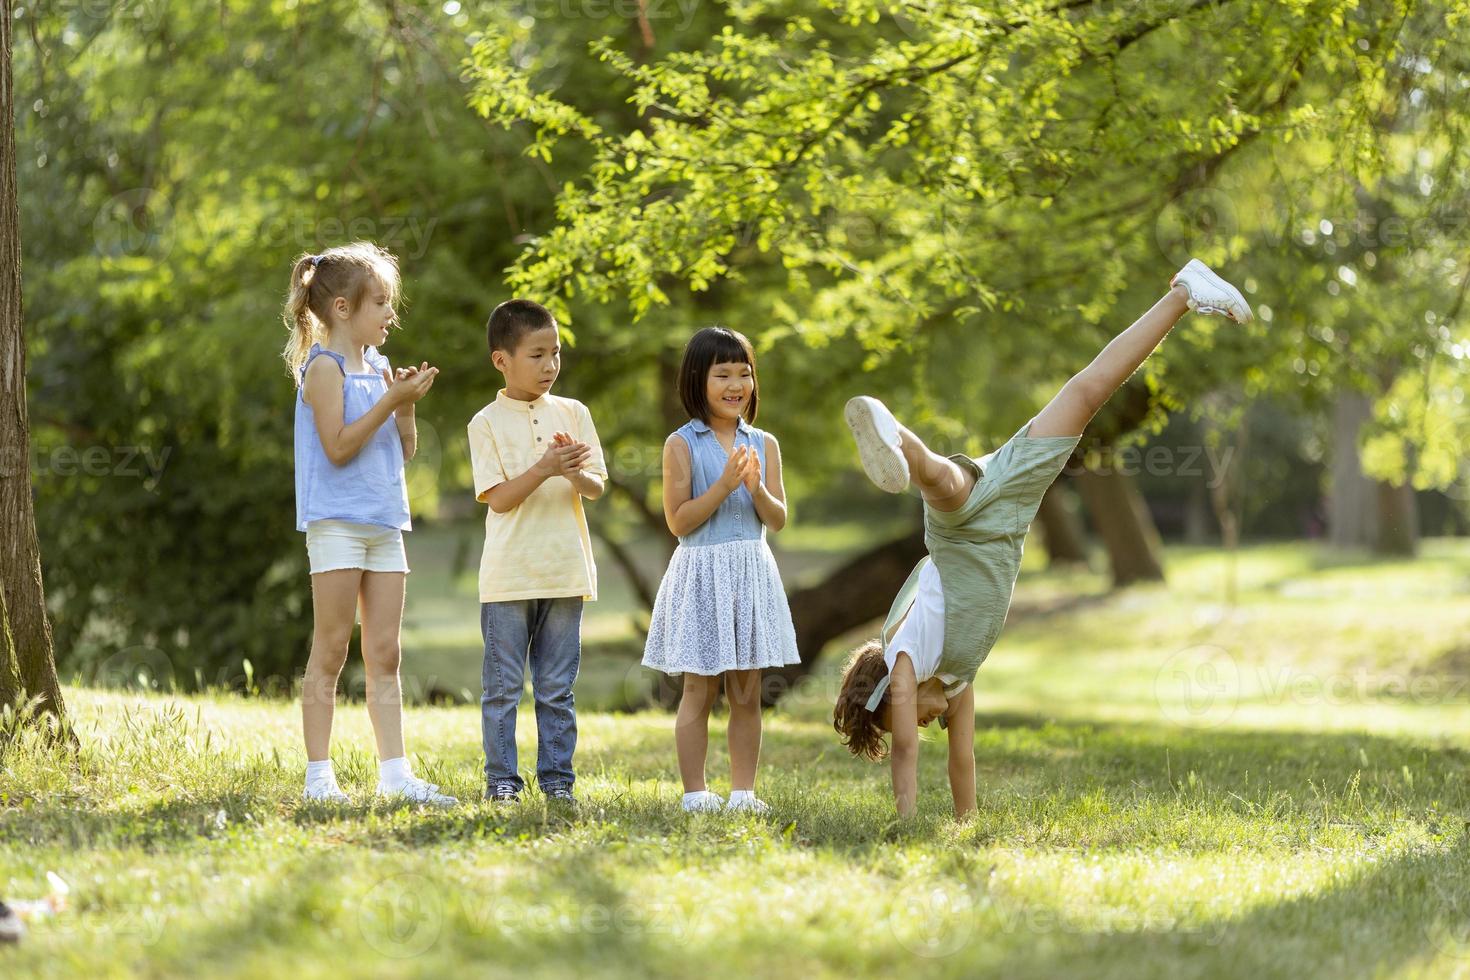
x=920, y=633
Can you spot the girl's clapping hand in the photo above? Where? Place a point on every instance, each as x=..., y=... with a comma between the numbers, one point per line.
x=751, y=474
x=408, y=384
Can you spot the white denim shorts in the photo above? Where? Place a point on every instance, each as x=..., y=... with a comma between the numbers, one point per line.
x=331, y=545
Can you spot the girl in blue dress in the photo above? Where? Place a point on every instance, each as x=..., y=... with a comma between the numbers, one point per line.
x=721, y=611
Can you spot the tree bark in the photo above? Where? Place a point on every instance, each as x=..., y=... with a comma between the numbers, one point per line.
x=1352, y=513
x=1363, y=512
x=29, y=643
x=1060, y=528
x=1123, y=522
x=858, y=592
x=1398, y=520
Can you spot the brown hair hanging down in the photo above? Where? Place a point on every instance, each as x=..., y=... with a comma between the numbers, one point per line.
x=318, y=279
x=859, y=727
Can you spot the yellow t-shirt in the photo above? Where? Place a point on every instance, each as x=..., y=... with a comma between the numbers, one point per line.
x=540, y=549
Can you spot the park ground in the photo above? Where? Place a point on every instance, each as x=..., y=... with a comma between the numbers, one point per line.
x=1170, y=784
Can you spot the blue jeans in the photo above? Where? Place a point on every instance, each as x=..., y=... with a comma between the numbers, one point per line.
x=549, y=632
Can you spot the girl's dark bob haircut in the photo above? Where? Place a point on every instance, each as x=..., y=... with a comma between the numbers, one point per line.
x=711, y=346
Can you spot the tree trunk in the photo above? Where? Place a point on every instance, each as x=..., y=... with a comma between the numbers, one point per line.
x=1363, y=512
x=1398, y=520
x=1060, y=527
x=858, y=592
x=10, y=690
x=20, y=558
x=1122, y=520
x=1352, y=512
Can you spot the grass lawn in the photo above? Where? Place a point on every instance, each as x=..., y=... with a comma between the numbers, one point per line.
x=1169, y=786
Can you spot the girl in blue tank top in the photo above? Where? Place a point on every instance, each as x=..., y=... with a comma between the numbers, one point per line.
x=354, y=431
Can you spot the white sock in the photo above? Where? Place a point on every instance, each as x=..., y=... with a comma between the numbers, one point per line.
x=696, y=796
x=741, y=795
x=393, y=773
x=320, y=772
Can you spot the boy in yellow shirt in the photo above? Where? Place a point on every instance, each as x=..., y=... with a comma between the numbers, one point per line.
x=535, y=456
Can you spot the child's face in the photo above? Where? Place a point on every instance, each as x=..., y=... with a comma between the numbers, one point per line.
x=368, y=325
x=728, y=389
x=533, y=367
x=932, y=704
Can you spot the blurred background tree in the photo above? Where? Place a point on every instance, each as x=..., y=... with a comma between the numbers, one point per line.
x=952, y=204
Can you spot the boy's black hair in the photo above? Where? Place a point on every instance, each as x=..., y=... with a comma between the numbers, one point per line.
x=512, y=320
x=711, y=346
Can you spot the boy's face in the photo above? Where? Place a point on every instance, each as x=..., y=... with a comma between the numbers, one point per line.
x=532, y=368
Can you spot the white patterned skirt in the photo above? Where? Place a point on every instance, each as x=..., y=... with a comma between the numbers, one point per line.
x=721, y=607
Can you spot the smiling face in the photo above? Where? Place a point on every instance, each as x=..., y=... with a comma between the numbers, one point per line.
x=531, y=369
x=728, y=389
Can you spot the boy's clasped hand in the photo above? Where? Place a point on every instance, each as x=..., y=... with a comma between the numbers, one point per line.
x=565, y=456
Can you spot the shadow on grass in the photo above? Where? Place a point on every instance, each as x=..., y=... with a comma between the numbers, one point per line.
x=1403, y=909
x=1041, y=783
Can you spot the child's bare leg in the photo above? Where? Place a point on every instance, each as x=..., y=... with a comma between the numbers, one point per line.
x=334, y=612
x=1068, y=413
x=743, y=692
x=945, y=484
x=691, y=728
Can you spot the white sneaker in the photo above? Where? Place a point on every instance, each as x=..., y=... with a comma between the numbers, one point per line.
x=748, y=804
x=324, y=791
x=703, y=802
x=416, y=790
x=876, y=432
x=1208, y=293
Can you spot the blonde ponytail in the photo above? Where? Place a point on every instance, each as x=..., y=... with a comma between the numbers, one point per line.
x=300, y=321
x=317, y=280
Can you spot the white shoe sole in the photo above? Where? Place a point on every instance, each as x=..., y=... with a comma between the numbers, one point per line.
x=1208, y=274
x=876, y=432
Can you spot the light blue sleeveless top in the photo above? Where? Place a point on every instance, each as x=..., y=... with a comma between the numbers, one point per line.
x=735, y=519
x=369, y=488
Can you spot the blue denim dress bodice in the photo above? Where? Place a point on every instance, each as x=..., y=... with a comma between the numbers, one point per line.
x=370, y=487
x=735, y=519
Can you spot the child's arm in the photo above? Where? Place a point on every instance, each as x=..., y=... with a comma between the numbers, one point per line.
x=770, y=496
x=322, y=390
x=560, y=459
x=903, y=724
x=1074, y=406
x=588, y=481
x=684, y=512
x=403, y=416
x=960, y=721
